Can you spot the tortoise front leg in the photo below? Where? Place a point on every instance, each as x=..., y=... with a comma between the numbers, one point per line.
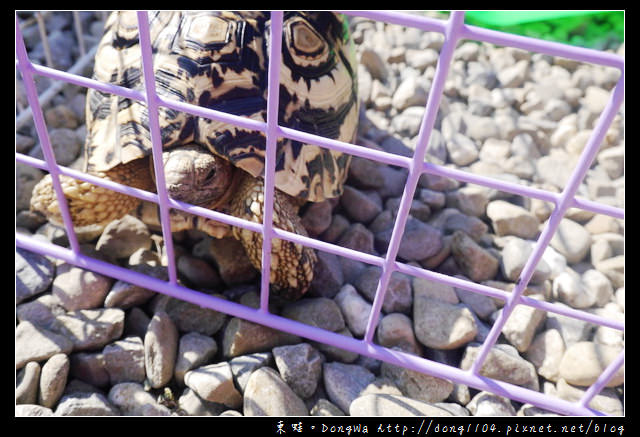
x=291, y=264
x=90, y=204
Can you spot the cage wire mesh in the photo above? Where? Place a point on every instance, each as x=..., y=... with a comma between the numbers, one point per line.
x=52, y=65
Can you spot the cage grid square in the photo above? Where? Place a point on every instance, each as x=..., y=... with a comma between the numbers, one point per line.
x=454, y=30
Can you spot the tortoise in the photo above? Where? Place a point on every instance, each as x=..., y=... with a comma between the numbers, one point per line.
x=219, y=60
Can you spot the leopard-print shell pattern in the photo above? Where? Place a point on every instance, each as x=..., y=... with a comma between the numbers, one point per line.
x=219, y=60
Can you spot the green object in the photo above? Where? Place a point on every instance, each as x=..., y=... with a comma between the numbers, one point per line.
x=595, y=29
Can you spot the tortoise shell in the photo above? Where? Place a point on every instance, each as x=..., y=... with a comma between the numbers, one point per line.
x=219, y=60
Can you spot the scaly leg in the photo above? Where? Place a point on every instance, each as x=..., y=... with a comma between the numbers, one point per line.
x=291, y=263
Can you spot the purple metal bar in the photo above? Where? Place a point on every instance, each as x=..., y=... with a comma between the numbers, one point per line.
x=273, y=94
x=446, y=54
x=156, y=140
x=454, y=30
x=25, y=67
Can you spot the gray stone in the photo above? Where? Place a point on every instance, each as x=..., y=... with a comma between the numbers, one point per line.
x=597, y=285
x=242, y=337
x=374, y=64
x=229, y=256
x=434, y=290
x=357, y=237
x=515, y=254
x=475, y=262
x=355, y=309
x=189, y=317
x=398, y=296
x=214, y=383
x=489, y=404
x=571, y=329
x=365, y=173
x=345, y=382
x=160, y=349
x=612, y=160
x=555, y=169
x=66, y=145
x=34, y=274
x=133, y=400
x=300, y=367
x=461, y=149
x=267, y=394
x=606, y=401
x=393, y=405
x=327, y=276
x=595, y=99
x=194, y=350
x=122, y=237
x=91, y=329
x=338, y=226
x=419, y=240
x=442, y=325
x=325, y=408
x=124, y=360
x=34, y=343
x=418, y=209
x=336, y=353
x=197, y=272
x=410, y=92
x=522, y=324
x=421, y=59
x=194, y=405
x=515, y=75
x=124, y=295
x=545, y=352
x=394, y=180
x=569, y=288
x=28, y=410
x=503, y=363
x=320, y=312
x=583, y=362
x=27, y=383
x=85, y=404
x=26, y=178
x=509, y=219
x=359, y=205
x=243, y=366
x=416, y=385
x=53, y=380
x=481, y=305
x=80, y=289
x=470, y=199
x=613, y=268
x=408, y=122
x=396, y=330
x=89, y=368
x=24, y=143
x=317, y=218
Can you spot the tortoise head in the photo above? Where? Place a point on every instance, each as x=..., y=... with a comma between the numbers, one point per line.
x=194, y=175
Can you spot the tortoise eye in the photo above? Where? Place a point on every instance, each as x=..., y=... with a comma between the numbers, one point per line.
x=210, y=175
x=306, y=40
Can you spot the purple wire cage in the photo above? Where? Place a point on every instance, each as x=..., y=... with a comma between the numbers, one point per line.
x=454, y=30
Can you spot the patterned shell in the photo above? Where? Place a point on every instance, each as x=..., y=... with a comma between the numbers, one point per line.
x=219, y=60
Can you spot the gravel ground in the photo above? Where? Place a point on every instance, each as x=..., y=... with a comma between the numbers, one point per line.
x=90, y=345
